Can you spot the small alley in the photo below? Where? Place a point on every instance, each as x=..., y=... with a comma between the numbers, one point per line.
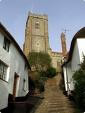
x=54, y=100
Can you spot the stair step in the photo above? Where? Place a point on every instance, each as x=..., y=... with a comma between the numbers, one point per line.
x=57, y=105
x=56, y=101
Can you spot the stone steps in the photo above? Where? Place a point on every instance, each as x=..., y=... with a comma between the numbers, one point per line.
x=55, y=101
x=59, y=105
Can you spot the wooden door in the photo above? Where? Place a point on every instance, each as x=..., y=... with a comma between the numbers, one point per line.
x=15, y=85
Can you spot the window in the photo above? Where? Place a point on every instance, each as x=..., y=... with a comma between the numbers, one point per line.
x=3, y=70
x=25, y=67
x=6, y=44
x=37, y=25
x=24, y=85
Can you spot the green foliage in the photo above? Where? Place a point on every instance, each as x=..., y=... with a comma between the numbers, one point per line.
x=31, y=84
x=40, y=85
x=83, y=63
x=43, y=75
x=77, y=110
x=51, y=72
x=42, y=65
x=79, y=81
x=41, y=61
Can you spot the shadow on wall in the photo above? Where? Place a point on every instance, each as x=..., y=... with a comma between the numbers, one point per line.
x=10, y=107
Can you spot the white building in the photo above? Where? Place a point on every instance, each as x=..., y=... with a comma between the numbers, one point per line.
x=77, y=50
x=13, y=68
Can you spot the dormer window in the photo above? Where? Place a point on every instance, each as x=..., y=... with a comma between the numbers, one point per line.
x=37, y=25
x=6, y=44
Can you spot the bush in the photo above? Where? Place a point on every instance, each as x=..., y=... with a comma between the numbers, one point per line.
x=31, y=84
x=40, y=85
x=79, y=86
x=79, y=91
x=43, y=76
x=51, y=72
x=39, y=60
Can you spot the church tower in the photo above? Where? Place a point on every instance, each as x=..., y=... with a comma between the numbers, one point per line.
x=36, y=34
x=63, y=43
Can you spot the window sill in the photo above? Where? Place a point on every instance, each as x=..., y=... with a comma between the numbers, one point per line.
x=3, y=80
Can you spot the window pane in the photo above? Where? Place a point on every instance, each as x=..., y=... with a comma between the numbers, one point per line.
x=3, y=70
x=4, y=45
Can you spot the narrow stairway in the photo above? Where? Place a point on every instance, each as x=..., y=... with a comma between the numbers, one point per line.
x=55, y=101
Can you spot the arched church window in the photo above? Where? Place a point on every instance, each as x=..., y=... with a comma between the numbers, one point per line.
x=37, y=25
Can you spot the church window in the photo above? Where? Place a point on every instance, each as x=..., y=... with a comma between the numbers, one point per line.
x=37, y=25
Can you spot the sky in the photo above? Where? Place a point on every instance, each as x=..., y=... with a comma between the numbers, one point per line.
x=62, y=14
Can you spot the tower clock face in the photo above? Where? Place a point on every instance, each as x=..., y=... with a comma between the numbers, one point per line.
x=38, y=46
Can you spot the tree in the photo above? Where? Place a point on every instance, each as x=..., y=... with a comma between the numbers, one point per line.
x=39, y=60
x=51, y=72
x=79, y=85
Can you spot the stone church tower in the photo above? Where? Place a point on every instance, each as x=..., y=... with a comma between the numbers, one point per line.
x=36, y=34
x=37, y=39
x=63, y=43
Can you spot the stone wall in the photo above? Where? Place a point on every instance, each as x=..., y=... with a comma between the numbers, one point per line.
x=56, y=60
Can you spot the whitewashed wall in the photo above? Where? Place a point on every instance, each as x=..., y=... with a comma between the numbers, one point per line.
x=81, y=45
x=69, y=76
x=68, y=81
x=65, y=78
x=71, y=67
x=4, y=56
x=75, y=57
x=3, y=94
x=16, y=64
x=74, y=64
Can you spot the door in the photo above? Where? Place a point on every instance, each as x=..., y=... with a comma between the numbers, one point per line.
x=15, y=85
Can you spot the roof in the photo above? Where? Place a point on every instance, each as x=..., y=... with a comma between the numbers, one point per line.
x=15, y=43
x=79, y=34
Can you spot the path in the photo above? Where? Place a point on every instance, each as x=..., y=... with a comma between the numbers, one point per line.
x=55, y=101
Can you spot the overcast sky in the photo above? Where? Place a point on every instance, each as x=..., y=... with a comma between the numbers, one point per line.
x=62, y=14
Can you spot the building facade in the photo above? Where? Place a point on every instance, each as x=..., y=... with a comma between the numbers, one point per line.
x=77, y=50
x=13, y=68
x=56, y=59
